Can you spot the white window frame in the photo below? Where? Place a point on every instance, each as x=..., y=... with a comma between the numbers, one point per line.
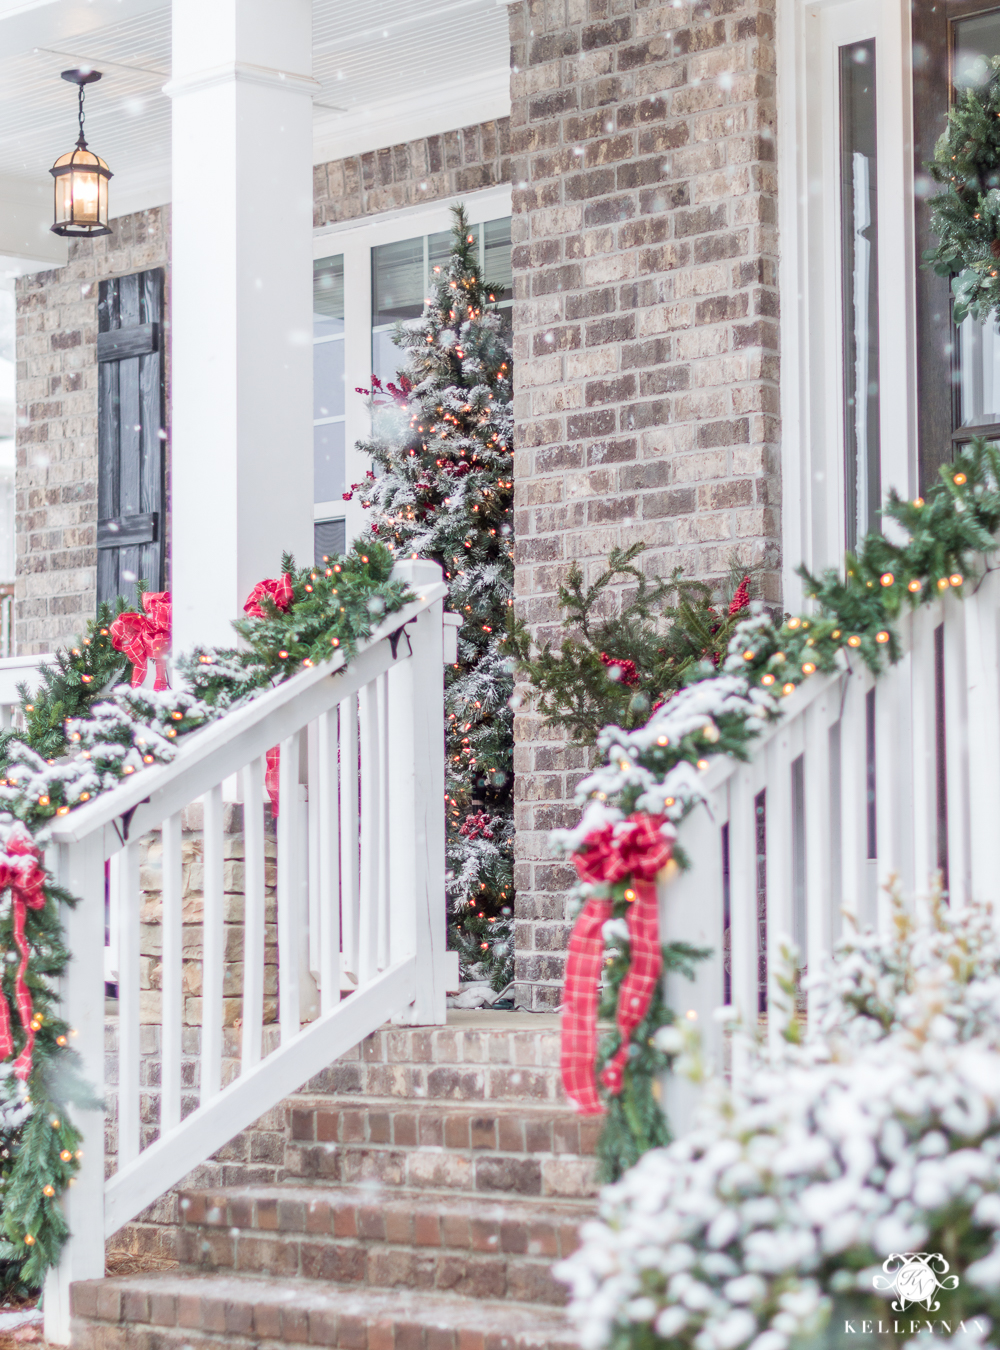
x=355, y=240
x=810, y=35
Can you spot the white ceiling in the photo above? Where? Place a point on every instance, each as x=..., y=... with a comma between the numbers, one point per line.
x=386, y=73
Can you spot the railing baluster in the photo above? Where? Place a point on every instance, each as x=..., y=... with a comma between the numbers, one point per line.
x=349, y=830
x=982, y=666
x=778, y=865
x=312, y=818
x=171, y=1019
x=327, y=820
x=743, y=896
x=253, y=912
x=894, y=778
x=213, y=901
x=289, y=921
x=125, y=875
x=371, y=801
x=819, y=917
x=384, y=833
x=80, y=868
x=924, y=791
x=853, y=789
x=957, y=752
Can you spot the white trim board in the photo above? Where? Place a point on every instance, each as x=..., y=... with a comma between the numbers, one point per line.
x=809, y=36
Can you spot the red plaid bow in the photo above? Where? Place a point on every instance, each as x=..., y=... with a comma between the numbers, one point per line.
x=21, y=874
x=279, y=591
x=282, y=594
x=636, y=849
x=141, y=636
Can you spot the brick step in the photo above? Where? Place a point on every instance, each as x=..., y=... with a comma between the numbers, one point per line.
x=509, y=1147
x=171, y=1311
x=411, y=1239
x=489, y=1059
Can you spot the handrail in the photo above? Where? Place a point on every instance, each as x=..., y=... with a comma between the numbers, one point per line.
x=357, y=902
x=168, y=787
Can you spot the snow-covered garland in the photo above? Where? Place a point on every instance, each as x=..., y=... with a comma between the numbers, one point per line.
x=653, y=771
x=311, y=615
x=804, y=1189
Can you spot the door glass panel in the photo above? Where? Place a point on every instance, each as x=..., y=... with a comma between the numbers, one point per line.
x=328, y=379
x=975, y=41
x=859, y=255
x=328, y=461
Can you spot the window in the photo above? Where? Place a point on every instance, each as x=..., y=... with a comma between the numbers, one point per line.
x=859, y=273
x=329, y=401
x=367, y=275
x=402, y=273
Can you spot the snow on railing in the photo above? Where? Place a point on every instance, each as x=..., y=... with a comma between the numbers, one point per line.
x=863, y=783
x=360, y=904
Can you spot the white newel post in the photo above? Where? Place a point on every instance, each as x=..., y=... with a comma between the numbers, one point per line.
x=80, y=868
x=416, y=824
x=241, y=476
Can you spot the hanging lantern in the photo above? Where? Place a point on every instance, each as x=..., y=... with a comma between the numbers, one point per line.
x=81, y=178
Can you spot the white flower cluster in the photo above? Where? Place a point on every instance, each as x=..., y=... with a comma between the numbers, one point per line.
x=800, y=1180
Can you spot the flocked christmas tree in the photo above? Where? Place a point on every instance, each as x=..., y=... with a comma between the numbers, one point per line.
x=444, y=490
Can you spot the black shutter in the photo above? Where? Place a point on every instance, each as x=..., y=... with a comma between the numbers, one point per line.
x=130, y=492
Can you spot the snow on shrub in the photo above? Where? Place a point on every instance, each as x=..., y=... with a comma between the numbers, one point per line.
x=880, y=1134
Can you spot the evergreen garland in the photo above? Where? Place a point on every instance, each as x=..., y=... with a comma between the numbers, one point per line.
x=444, y=490
x=81, y=739
x=966, y=215
x=655, y=768
x=616, y=664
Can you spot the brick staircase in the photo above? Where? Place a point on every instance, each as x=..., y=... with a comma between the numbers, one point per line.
x=427, y=1184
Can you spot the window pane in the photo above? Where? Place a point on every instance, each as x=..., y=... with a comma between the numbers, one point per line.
x=328, y=379
x=439, y=247
x=329, y=539
x=328, y=296
x=859, y=253
x=397, y=281
x=976, y=40
x=496, y=257
x=328, y=462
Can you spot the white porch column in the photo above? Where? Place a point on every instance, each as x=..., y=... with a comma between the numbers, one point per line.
x=241, y=481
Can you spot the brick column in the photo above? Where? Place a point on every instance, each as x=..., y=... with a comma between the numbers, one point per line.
x=646, y=336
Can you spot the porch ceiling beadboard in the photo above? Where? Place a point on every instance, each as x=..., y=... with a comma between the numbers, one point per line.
x=378, y=84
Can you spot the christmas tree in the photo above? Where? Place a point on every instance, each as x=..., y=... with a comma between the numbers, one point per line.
x=442, y=447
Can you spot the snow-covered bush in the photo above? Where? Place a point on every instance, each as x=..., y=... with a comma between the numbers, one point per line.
x=879, y=1135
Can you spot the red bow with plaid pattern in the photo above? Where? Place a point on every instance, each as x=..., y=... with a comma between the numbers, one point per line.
x=634, y=848
x=141, y=636
x=21, y=874
x=282, y=594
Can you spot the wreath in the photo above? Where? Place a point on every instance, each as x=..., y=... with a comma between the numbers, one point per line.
x=966, y=215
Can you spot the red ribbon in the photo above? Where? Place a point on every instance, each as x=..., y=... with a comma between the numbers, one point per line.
x=636, y=849
x=141, y=636
x=26, y=881
x=282, y=594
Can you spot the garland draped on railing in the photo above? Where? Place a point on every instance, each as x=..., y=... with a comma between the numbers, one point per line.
x=307, y=616
x=653, y=771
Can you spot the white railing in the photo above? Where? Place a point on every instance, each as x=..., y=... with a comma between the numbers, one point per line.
x=360, y=902
x=15, y=670
x=864, y=783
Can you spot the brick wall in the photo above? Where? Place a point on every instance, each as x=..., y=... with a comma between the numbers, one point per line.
x=56, y=476
x=426, y=170
x=646, y=340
